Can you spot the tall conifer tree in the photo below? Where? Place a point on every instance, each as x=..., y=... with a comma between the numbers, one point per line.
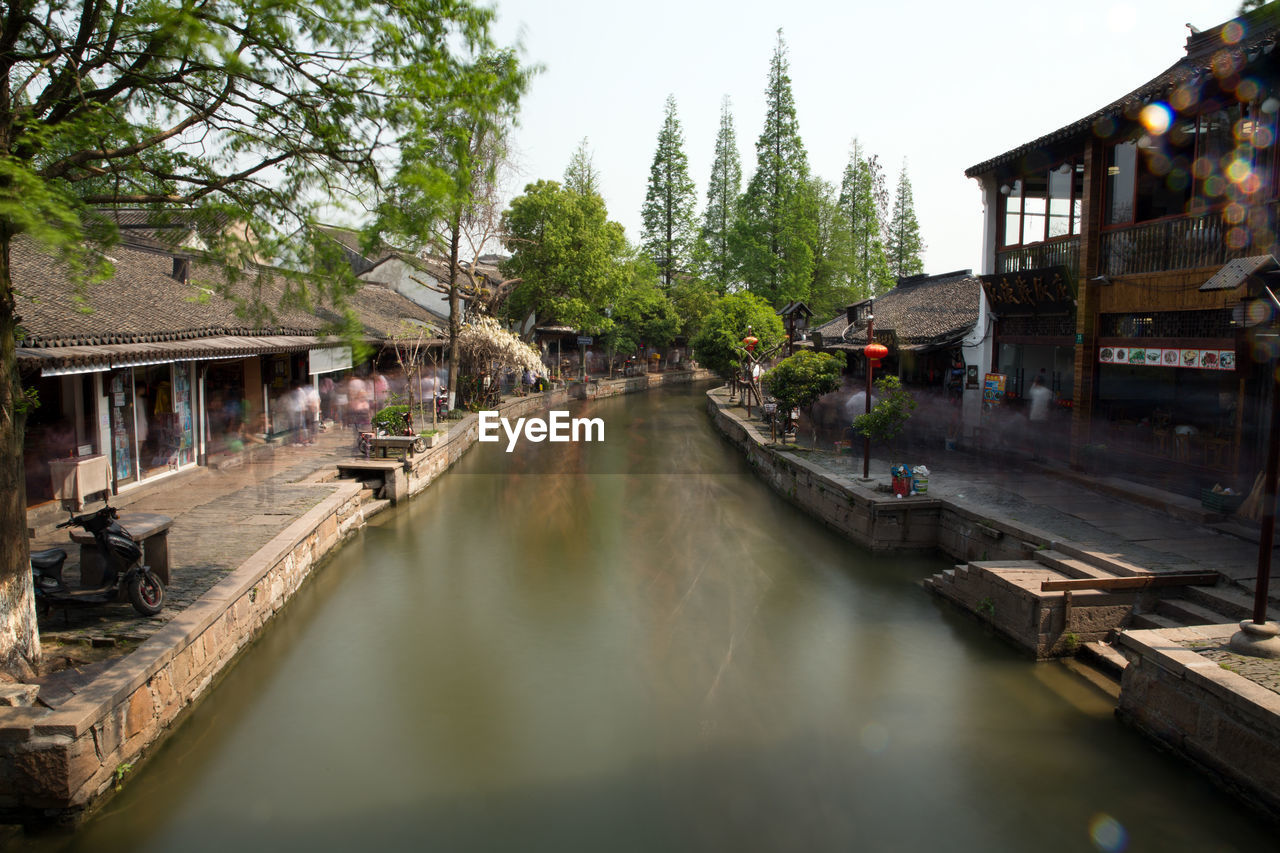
x=776, y=228
x=904, y=243
x=722, y=198
x=580, y=175
x=668, y=212
x=863, y=207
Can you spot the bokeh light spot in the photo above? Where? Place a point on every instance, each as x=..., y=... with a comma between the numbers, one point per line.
x=1156, y=118
x=1236, y=238
x=1238, y=170
x=1232, y=33
x=1247, y=89
x=1108, y=834
x=1234, y=213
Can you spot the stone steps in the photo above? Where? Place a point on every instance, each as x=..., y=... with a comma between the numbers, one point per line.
x=1071, y=567
x=1105, y=658
x=1189, y=613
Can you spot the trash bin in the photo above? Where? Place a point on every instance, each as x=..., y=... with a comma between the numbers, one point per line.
x=920, y=479
x=901, y=480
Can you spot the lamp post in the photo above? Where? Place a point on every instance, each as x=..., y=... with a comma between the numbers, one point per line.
x=873, y=352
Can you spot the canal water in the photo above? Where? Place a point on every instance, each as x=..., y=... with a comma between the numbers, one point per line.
x=636, y=645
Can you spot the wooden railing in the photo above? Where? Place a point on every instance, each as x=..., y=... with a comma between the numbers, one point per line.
x=1187, y=242
x=1064, y=253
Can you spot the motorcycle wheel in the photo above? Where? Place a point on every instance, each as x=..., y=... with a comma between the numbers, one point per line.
x=146, y=593
x=419, y=446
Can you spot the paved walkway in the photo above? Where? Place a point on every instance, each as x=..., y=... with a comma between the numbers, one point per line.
x=220, y=518
x=1059, y=502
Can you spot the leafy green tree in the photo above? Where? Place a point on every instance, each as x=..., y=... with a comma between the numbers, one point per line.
x=718, y=263
x=863, y=207
x=718, y=344
x=887, y=418
x=568, y=253
x=581, y=175
x=775, y=230
x=800, y=379
x=643, y=315
x=904, y=244
x=693, y=299
x=669, y=231
x=253, y=113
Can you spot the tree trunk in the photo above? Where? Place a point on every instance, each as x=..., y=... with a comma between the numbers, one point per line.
x=19, y=636
x=455, y=318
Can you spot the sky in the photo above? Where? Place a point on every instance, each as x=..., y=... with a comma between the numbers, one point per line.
x=941, y=86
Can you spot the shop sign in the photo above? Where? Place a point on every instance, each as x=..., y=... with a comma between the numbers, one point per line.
x=1201, y=359
x=328, y=360
x=1040, y=291
x=993, y=388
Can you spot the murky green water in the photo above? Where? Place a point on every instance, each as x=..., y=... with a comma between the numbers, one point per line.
x=636, y=645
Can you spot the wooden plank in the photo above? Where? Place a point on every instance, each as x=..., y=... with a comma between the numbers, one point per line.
x=1144, y=582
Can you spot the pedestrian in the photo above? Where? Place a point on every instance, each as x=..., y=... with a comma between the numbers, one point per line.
x=358, y=407
x=1041, y=397
x=311, y=398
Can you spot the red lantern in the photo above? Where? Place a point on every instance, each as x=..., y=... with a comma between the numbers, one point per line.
x=750, y=342
x=875, y=352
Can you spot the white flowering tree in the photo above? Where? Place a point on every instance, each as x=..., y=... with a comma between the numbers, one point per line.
x=485, y=345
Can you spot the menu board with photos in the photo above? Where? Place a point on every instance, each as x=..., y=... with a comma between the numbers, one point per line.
x=1202, y=359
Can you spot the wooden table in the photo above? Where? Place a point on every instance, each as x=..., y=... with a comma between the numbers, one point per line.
x=150, y=529
x=406, y=444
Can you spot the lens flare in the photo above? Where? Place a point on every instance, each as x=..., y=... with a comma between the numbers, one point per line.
x=1104, y=127
x=1215, y=185
x=1108, y=834
x=1247, y=89
x=1184, y=98
x=1238, y=170
x=1234, y=213
x=1156, y=118
x=1201, y=168
x=1232, y=33
x=1236, y=238
x=1263, y=136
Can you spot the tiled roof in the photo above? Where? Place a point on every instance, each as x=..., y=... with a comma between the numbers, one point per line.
x=143, y=303
x=1261, y=31
x=921, y=311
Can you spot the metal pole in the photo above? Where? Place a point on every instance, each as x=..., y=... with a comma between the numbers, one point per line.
x=866, y=439
x=1267, y=538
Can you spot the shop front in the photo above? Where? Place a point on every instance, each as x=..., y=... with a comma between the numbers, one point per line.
x=1172, y=386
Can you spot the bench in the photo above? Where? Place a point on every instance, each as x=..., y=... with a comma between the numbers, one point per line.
x=150, y=529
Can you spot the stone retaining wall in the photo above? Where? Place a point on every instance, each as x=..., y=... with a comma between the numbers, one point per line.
x=53, y=763
x=1225, y=724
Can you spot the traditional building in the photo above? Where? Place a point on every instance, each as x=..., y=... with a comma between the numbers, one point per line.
x=1125, y=254
x=153, y=370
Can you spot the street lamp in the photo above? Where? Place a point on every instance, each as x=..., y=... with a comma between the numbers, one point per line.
x=873, y=353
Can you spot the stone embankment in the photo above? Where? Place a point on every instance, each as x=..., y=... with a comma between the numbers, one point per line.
x=62, y=754
x=1055, y=596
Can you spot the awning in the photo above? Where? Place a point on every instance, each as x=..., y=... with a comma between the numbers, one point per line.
x=59, y=361
x=1237, y=272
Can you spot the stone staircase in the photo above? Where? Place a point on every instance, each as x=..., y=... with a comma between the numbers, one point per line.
x=1008, y=595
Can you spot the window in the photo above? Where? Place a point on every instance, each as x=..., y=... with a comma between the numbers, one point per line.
x=1122, y=163
x=1044, y=205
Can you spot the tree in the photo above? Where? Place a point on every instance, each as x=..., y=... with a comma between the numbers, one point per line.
x=719, y=341
x=800, y=379
x=255, y=114
x=722, y=198
x=887, y=418
x=775, y=230
x=568, y=253
x=446, y=191
x=643, y=316
x=669, y=232
x=581, y=175
x=863, y=205
x=904, y=243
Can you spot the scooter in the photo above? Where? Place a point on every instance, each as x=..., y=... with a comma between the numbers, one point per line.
x=123, y=572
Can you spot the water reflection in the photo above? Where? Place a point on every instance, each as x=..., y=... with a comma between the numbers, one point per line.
x=635, y=645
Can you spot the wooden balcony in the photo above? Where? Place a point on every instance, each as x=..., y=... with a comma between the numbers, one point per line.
x=1185, y=242
x=1063, y=252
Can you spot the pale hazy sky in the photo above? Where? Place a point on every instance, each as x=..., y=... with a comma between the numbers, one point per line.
x=945, y=85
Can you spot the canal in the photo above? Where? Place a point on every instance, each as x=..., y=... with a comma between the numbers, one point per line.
x=636, y=645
